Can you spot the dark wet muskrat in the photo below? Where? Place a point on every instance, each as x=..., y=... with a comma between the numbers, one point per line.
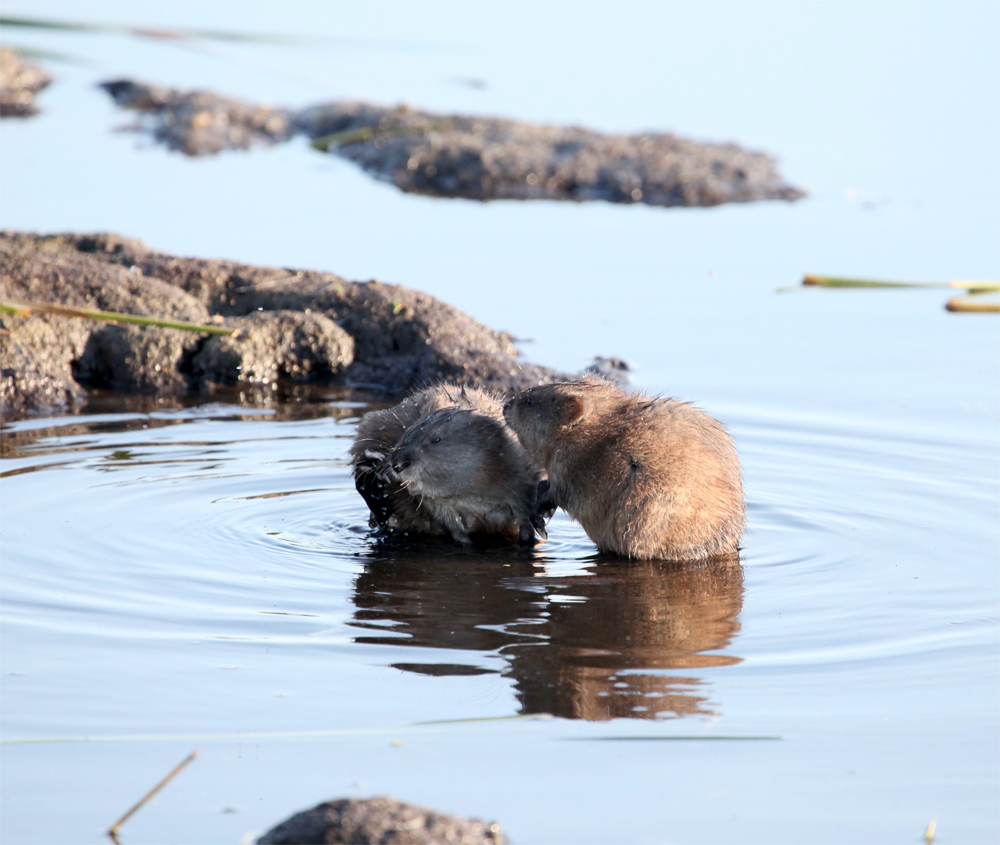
x=444, y=462
x=645, y=477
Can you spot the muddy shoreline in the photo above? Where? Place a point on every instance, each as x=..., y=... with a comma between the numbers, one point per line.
x=298, y=327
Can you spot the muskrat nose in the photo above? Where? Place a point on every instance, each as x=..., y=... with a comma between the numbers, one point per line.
x=399, y=466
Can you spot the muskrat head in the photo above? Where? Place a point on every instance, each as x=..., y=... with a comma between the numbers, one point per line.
x=447, y=452
x=539, y=414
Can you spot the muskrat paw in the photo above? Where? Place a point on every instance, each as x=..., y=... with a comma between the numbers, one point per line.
x=545, y=502
x=461, y=537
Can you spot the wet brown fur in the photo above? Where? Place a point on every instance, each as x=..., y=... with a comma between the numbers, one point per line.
x=647, y=478
x=476, y=479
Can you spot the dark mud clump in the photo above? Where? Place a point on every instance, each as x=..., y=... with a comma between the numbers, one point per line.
x=477, y=158
x=297, y=326
x=375, y=821
x=273, y=345
x=20, y=81
x=200, y=122
x=493, y=158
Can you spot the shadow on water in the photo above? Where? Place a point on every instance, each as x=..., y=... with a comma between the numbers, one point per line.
x=617, y=642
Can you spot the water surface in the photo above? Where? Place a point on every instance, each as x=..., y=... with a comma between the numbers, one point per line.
x=180, y=575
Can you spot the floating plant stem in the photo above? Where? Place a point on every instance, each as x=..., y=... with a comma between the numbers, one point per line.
x=970, y=304
x=25, y=307
x=256, y=736
x=539, y=717
x=163, y=33
x=839, y=282
x=113, y=830
x=967, y=303
x=930, y=831
x=172, y=34
x=975, y=287
x=670, y=738
x=50, y=56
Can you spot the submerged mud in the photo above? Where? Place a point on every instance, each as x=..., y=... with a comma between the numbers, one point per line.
x=20, y=81
x=481, y=158
x=297, y=326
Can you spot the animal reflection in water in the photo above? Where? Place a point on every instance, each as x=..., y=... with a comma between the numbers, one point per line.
x=619, y=642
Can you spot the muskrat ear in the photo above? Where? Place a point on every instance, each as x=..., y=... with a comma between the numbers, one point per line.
x=571, y=409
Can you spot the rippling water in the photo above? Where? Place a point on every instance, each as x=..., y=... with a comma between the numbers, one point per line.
x=200, y=572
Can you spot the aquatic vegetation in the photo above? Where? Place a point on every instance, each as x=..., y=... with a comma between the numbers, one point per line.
x=21, y=308
x=159, y=33
x=959, y=303
x=113, y=830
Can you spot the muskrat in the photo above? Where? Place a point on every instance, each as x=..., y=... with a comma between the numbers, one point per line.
x=444, y=462
x=646, y=477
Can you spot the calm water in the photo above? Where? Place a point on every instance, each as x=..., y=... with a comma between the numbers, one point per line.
x=178, y=577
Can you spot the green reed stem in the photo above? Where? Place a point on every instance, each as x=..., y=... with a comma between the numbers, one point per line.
x=840, y=282
x=22, y=308
x=368, y=133
x=146, y=32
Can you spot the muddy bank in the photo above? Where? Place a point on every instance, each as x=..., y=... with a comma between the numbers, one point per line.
x=479, y=158
x=20, y=81
x=297, y=326
x=375, y=821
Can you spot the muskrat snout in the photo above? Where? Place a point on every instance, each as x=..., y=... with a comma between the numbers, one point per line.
x=523, y=398
x=400, y=462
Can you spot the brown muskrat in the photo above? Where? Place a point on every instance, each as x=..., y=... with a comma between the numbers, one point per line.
x=645, y=477
x=444, y=462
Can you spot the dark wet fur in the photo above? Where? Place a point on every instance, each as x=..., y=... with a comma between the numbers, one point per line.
x=488, y=495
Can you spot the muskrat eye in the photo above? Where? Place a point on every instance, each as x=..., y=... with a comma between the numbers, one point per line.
x=436, y=440
x=528, y=400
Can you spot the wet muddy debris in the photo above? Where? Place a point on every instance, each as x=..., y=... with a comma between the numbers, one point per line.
x=296, y=327
x=380, y=821
x=479, y=158
x=20, y=81
x=199, y=123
